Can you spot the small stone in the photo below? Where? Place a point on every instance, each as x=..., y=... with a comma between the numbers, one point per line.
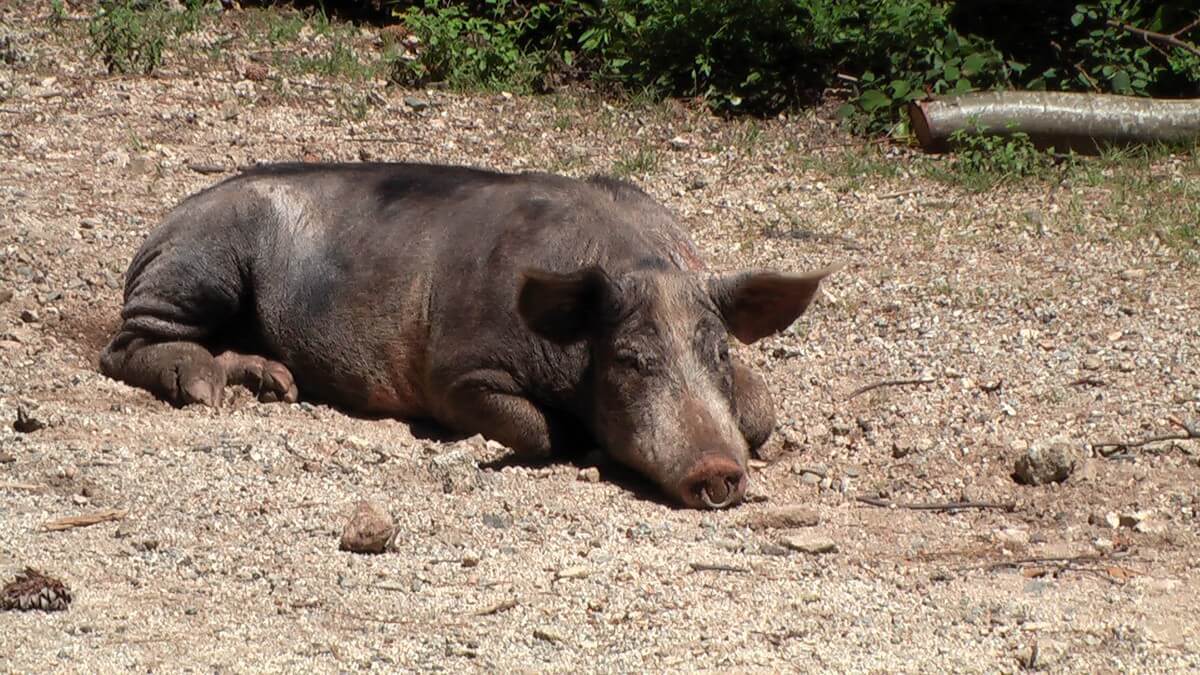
x=417, y=104
x=29, y=316
x=1109, y=520
x=573, y=572
x=589, y=474
x=368, y=529
x=827, y=483
x=5, y=295
x=118, y=158
x=1126, y=366
x=1043, y=463
x=547, y=634
x=1132, y=274
x=1012, y=537
x=457, y=470
x=767, y=548
x=698, y=183
x=680, y=143
x=810, y=478
x=782, y=518
x=1092, y=363
x=256, y=72
x=756, y=492
x=812, y=544
x=470, y=559
x=1133, y=519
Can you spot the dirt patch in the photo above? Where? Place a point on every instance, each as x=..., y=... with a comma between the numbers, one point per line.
x=1027, y=316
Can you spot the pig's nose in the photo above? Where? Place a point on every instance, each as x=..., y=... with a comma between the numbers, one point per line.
x=716, y=483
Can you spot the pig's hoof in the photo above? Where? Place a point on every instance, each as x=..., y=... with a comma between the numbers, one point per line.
x=270, y=380
x=197, y=384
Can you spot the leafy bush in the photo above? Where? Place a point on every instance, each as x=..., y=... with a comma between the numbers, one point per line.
x=482, y=49
x=129, y=35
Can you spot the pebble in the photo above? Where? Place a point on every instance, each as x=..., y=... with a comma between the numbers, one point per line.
x=457, y=471
x=782, y=518
x=573, y=572
x=5, y=296
x=470, y=559
x=589, y=474
x=547, y=634
x=1045, y=462
x=417, y=104
x=29, y=316
x=812, y=544
x=1092, y=363
x=368, y=530
x=756, y=493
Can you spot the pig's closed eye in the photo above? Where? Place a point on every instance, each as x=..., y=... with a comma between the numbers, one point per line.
x=641, y=362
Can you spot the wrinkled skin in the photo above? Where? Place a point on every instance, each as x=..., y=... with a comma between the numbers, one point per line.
x=534, y=309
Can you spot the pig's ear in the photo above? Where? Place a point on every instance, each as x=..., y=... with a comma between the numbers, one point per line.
x=562, y=308
x=757, y=304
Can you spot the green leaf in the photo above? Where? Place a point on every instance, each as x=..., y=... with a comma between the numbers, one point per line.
x=900, y=88
x=873, y=99
x=1076, y=18
x=845, y=111
x=951, y=72
x=1120, y=82
x=973, y=63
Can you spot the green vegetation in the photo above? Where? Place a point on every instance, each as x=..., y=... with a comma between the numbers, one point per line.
x=765, y=55
x=129, y=35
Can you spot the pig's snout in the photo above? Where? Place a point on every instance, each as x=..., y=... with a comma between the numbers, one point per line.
x=714, y=482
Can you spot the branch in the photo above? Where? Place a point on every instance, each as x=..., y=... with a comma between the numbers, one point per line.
x=1158, y=37
x=936, y=506
x=1190, y=433
x=889, y=383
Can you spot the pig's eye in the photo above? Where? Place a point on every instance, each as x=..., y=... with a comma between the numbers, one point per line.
x=639, y=361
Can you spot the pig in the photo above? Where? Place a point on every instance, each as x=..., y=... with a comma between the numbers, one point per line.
x=537, y=310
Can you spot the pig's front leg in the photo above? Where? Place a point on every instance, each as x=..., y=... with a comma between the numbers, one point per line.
x=756, y=411
x=488, y=403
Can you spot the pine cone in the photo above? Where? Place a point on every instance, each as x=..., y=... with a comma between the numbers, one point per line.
x=34, y=590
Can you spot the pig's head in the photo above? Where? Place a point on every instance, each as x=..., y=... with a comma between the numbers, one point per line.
x=661, y=383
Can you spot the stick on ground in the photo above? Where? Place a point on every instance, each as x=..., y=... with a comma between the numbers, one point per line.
x=84, y=520
x=716, y=567
x=936, y=506
x=889, y=383
x=1190, y=432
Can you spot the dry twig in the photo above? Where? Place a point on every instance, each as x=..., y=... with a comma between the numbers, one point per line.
x=1190, y=433
x=936, y=506
x=889, y=383
x=84, y=520
x=502, y=606
x=717, y=567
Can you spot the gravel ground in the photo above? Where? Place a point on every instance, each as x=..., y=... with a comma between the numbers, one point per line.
x=1035, y=329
